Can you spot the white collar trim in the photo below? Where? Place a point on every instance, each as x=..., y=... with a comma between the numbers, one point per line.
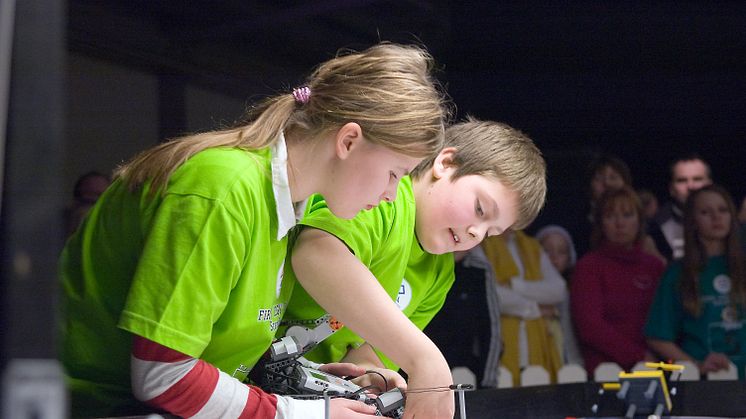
x=287, y=213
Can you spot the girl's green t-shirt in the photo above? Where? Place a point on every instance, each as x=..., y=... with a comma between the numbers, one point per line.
x=197, y=269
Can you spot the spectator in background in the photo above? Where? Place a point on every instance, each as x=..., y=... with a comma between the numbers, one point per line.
x=653, y=234
x=558, y=245
x=613, y=284
x=649, y=203
x=688, y=173
x=700, y=307
x=606, y=172
x=530, y=291
x=87, y=189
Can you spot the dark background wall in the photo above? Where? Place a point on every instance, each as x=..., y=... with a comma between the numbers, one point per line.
x=642, y=80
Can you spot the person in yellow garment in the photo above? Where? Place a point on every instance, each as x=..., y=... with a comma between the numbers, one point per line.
x=529, y=290
x=489, y=177
x=173, y=285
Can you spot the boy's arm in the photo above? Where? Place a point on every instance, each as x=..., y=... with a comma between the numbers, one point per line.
x=345, y=287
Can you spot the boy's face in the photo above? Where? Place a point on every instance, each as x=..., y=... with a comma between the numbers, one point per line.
x=458, y=215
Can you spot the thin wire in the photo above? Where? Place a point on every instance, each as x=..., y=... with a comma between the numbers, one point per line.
x=385, y=382
x=462, y=387
x=363, y=389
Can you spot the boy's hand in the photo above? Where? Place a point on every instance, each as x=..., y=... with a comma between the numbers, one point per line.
x=370, y=378
x=435, y=405
x=430, y=404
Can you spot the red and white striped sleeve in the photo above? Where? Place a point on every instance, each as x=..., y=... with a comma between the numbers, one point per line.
x=192, y=388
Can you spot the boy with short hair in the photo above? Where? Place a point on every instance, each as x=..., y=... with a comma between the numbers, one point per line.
x=488, y=178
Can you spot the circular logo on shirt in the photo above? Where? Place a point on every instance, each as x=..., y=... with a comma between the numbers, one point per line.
x=405, y=294
x=729, y=314
x=721, y=283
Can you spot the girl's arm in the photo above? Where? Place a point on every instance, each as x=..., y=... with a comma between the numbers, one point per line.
x=188, y=387
x=345, y=288
x=670, y=351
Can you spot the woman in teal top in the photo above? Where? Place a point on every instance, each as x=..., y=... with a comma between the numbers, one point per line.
x=699, y=310
x=173, y=285
x=488, y=178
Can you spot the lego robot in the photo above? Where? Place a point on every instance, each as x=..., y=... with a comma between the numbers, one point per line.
x=645, y=393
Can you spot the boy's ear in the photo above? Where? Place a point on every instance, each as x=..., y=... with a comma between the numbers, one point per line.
x=444, y=162
x=347, y=138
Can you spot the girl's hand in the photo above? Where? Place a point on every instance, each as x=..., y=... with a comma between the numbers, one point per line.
x=350, y=409
x=715, y=361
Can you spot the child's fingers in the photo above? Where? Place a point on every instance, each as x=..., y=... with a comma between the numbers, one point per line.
x=343, y=369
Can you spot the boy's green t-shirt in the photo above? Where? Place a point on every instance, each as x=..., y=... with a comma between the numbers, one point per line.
x=424, y=288
x=384, y=240
x=721, y=327
x=197, y=269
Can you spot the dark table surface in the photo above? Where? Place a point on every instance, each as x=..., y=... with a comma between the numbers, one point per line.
x=692, y=399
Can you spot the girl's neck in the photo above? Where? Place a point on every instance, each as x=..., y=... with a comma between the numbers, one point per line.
x=713, y=247
x=306, y=166
x=622, y=246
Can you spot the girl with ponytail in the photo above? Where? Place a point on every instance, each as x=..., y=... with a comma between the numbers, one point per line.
x=173, y=285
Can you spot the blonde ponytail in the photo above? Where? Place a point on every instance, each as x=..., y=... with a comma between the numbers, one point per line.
x=387, y=89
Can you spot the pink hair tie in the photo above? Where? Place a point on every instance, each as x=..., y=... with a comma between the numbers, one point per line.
x=302, y=94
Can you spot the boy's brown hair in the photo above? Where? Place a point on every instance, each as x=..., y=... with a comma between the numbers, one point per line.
x=499, y=151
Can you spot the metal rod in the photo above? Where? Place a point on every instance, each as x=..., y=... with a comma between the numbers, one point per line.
x=326, y=404
x=650, y=392
x=462, y=404
x=631, y=411
x=658, y=410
